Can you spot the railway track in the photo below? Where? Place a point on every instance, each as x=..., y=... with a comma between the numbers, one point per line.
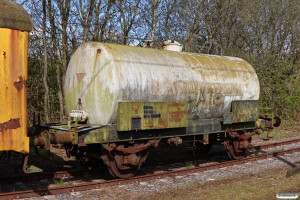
x=94, y=185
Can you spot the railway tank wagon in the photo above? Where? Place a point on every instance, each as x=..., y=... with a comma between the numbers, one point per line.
x=102, y=75
x=124, y=100
x=15, y=26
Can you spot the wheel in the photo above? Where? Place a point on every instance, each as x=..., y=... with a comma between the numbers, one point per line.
x=119, y=168
x=121, y=173
x=233, y=150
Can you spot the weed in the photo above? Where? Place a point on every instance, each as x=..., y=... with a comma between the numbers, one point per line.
x=59, y=182
x=189, y=164
x=275, y=151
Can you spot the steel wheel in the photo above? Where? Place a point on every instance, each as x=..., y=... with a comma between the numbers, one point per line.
x=233, y=150
x=118, y=169
x=121, y=173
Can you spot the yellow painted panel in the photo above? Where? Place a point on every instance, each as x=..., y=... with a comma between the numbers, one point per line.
x=13, y=91
x=151, y=115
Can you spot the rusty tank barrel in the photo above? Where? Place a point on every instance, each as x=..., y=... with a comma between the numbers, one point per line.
x=101, y=75
x=15, y=25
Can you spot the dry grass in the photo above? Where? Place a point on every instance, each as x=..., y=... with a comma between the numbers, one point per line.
x=284, y=131
x=262, y=186
x=108, y=193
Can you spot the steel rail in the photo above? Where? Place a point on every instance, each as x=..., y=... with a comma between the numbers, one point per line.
x=81, y=172
x=266, y=146
x=42, y=175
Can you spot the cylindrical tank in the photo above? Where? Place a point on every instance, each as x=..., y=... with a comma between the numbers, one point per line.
x=15, y=25
x=101, y=75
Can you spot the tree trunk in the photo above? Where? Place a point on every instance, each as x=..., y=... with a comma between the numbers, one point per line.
x=155, y=6
x=64, y=11
x=109, y=4
x=45, y=75
x=55, y=60
x=87, y=22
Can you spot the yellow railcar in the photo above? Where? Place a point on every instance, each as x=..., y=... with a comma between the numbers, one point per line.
x=15, y=26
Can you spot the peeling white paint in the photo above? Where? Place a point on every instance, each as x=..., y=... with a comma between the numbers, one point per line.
x=133, y=74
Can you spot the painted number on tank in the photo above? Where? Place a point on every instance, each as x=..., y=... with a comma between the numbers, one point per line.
x=149, y=112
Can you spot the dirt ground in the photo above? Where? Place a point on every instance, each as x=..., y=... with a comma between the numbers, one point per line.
x=247, y=186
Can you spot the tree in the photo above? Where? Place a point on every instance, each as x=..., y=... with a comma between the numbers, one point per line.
x=128, y=11
x=55, y=59
x=263, y=32
x=46, y=96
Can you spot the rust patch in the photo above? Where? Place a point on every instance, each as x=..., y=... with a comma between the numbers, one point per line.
x=4, y=54
x=11, y=124
x=79, y=103
x=19, y=83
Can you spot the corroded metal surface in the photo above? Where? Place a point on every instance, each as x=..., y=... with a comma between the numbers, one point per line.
x=155, y=115
x=13, y=16
x=118, y=73
x=19, y=83
x=244, y=111
x=11, y=124
x=13, y=91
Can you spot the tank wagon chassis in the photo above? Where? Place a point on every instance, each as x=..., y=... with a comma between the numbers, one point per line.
x=124, y=146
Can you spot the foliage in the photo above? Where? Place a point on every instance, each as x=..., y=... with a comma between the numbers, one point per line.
x=284, y=77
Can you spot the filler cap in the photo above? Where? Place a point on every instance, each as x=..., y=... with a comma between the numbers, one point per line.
x=172, y=45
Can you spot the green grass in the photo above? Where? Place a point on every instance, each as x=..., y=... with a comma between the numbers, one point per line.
x=284, y=130
x=189, y=164
x=59, y=182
